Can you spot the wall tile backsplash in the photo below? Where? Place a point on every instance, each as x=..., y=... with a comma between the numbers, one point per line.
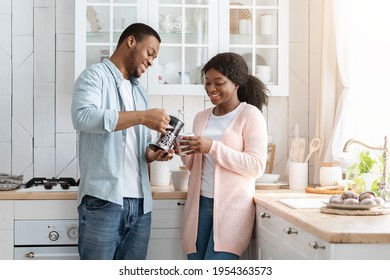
x=36, y=82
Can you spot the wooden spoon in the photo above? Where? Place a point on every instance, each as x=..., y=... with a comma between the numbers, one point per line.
x=315, y=145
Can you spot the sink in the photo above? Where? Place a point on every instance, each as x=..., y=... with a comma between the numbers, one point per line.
x=303, y=202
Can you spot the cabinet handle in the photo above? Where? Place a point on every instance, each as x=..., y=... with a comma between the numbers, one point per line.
x=180, y=203
x=316, y=246
x=265, y=215
x=289, y=230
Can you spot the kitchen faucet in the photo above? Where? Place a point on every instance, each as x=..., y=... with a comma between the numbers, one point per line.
x=382, y=184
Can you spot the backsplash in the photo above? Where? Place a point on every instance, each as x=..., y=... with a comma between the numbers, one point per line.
x=37, y=138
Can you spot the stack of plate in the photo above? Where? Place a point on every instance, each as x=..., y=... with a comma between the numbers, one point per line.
x=269, y=181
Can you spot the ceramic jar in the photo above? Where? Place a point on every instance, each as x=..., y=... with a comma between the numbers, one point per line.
x=330, y=174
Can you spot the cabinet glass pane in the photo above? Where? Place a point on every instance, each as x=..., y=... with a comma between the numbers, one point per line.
x=98, y=37
x=171, y=64
x=197, y=26
x=98, y=1
x=240, y=20
x=97, y=54
x=122, y=17
x=170, y=21
x=98, y=20
x=172, y=67
x=257, y=61
x=267, y=2
x=202, y=2
x=266, y=27
x=267, y=65
x=125, y=1
x=195, y=58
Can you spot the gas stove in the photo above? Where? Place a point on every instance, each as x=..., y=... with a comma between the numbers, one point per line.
x=64, y=184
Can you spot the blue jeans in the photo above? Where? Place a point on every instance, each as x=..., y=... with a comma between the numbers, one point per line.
x=205, y=238
x=107, y=231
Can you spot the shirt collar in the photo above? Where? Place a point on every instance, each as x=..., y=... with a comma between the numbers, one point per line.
x=117, y=74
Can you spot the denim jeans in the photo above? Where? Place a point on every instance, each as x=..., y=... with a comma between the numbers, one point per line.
x=107, y=231
x=205, y=238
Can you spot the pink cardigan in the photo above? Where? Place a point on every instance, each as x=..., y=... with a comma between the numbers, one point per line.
x=240, y=156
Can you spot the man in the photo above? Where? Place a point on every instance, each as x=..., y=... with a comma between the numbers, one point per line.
x=110, y=112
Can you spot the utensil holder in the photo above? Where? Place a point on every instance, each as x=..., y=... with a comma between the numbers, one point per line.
x=298, y=175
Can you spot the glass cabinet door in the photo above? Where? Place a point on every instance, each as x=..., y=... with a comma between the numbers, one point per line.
x=99, y=24
x=258, y=31
x=105, y=21
x=192, y=31
x=185, y=32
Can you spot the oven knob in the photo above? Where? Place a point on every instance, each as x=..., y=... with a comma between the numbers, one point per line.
x=73, y=232
x=53, y=235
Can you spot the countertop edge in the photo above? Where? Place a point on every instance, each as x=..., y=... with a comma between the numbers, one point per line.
x=328, y=227
x=158, y=192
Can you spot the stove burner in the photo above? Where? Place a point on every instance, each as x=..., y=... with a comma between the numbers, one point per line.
x=64, y=182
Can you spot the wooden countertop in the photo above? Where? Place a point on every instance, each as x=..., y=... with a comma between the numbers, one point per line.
x=329, y=227
x=158, y=192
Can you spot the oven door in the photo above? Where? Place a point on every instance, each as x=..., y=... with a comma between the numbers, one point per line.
x=46, y=253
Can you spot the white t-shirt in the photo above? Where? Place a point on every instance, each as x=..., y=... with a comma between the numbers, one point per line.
x=215, y=127
x=132, y=177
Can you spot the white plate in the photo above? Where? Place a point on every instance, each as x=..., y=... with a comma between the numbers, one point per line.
x=269, y=186
x=350, y=207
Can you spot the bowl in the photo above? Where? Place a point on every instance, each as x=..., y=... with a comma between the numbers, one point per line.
x=268, y=178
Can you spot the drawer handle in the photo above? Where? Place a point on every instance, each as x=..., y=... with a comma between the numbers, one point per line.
x=316, y=246
x=265, y=215
x=290, y=231
x=180, y=203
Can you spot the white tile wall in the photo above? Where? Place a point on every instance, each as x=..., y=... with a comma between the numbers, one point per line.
x=64, y=90
x=22, y=17
x=43, y=140
x=5, y=31
x=22, y=95
x=44, y=44
x=5, y=119
x=44, y=121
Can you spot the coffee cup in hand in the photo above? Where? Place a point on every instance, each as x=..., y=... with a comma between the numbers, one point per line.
x=181, y=146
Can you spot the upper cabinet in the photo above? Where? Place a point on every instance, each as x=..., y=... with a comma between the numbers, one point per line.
x=192, y=31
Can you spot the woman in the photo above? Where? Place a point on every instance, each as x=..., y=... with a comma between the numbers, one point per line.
x=228, y=153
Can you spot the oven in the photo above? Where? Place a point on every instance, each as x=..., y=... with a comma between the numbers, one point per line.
x=46, y=240
x=46, y=230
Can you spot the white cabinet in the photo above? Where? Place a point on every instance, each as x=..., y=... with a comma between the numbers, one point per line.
x=192, y=31
x=280, y=239
x=6, y=230
x=277, y=238
x=165, y=236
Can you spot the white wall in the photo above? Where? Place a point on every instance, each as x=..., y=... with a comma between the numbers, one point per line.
x=37, y=69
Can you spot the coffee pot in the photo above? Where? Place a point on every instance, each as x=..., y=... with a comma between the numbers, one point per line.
x=166, y=141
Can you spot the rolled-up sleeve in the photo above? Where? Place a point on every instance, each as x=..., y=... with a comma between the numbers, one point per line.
x=87, y=112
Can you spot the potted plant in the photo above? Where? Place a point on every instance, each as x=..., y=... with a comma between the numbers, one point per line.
x=366, y=173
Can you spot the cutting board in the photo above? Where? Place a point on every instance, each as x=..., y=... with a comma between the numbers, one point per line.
x=304, y=202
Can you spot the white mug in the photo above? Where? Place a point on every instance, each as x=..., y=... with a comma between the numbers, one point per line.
x=179, y=140
x=180, y=179
x=263, y=72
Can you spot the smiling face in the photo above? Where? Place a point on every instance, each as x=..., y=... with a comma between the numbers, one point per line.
x=140, y=55
x=221, y=91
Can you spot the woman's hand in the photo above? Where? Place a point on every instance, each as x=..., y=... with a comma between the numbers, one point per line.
x=194, y=144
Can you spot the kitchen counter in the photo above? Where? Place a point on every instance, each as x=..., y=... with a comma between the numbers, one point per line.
x=328, y=227
x=158, y=192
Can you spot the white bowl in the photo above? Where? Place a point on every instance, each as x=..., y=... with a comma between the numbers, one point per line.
x=268, y=178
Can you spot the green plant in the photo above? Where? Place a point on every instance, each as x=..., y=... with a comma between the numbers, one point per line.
x=366, y=164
